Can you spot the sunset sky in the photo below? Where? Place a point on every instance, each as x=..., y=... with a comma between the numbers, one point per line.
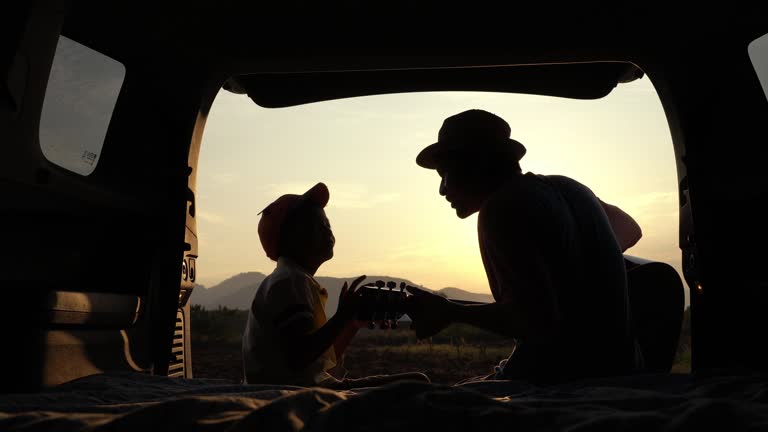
x=386, y=212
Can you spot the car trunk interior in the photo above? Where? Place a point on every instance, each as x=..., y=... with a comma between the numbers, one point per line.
x=97, y=269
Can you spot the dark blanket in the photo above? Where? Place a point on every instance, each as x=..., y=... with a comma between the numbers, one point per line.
x=112, y=402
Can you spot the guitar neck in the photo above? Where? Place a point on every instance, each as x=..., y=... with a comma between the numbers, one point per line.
x=382, y=302
x=466, y=302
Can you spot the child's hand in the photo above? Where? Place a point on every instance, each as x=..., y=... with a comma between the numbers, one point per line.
x=359, y=324
x=349, y=299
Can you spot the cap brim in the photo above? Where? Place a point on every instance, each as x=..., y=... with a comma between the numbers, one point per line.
x=432, y=155
x=318, y=195
x=427, y=158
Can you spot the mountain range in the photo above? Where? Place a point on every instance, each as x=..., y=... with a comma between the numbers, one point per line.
x=237, y=292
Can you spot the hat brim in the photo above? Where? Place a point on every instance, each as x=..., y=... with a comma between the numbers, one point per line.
x=432, y=156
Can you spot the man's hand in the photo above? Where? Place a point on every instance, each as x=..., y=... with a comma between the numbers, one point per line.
x=430, y=313
x=349, y=299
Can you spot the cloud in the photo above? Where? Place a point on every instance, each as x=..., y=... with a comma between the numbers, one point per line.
x=210, y=217
x=222, y=179
x=657, y=213
x=440, y=252
x=343, y=195
x=277, y=189
x=360, y=201
x=653, y=199
x=413, y=251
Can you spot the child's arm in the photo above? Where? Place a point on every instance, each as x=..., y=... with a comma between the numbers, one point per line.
x=345, y=338
x=303, y=344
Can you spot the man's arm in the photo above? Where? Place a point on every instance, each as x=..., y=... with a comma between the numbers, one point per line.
x=527, y=306
x=535, y=320
x=626, y=230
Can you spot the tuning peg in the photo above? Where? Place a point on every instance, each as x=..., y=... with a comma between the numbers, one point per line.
x=385, y=324
x=380, y=284
x=402, y=286
x=393, y=325
x=391, y=284
x=372, y=325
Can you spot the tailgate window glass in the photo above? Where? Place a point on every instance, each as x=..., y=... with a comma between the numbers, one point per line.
x=82, y=90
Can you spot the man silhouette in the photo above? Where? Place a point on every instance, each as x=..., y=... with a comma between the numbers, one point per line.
x=553, y=261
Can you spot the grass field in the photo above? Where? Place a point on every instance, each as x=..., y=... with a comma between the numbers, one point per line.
x=441, y=362
x=457, y=353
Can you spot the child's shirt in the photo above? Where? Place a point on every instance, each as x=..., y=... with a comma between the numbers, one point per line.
x=275, y=308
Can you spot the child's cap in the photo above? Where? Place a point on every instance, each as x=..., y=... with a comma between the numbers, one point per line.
x=275, y=214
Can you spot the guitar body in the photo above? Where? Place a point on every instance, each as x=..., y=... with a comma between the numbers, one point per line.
x=657, y=302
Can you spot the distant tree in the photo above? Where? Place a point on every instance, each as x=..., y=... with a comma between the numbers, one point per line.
x=685, y=329
x=222, y=325
x=683, y=354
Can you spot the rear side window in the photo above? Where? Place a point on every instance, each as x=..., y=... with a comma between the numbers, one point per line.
x=82, y=91
x=758, y=53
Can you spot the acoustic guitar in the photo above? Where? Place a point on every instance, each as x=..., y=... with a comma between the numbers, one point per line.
x=656, y=299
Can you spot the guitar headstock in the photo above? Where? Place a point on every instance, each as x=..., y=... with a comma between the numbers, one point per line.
x=383, y=302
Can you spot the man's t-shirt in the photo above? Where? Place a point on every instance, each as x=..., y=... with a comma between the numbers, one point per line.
x=541, y=231
x=287, y=295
